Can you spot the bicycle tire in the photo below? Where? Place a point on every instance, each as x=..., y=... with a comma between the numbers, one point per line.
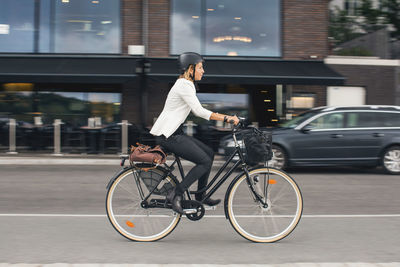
x=259, y=223
x=128, y=217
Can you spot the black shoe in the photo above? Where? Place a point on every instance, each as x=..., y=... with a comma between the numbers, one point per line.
x=176, y=201
x=209, y=201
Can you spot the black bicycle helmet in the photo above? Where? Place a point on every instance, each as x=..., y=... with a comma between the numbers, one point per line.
x=188, y=58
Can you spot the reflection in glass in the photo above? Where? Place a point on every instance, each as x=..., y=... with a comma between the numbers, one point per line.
x=222, y=103
x=71, y=107
x=226, y=27
x=185, y=26
x=73, y=26
x=17, y=26
x=243, y=28
x=86, y=27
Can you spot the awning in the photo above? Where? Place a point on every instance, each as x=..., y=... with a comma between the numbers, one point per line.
x=251, y=71
x=67, y=69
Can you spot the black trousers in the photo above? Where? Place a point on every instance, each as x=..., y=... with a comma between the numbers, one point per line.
x=191, y=149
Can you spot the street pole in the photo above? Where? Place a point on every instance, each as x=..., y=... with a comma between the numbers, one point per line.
x=57, y=137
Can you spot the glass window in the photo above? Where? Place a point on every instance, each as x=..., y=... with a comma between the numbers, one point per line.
x=226, y=27
x=389, y=119
x=185, y=26
x=222, y=103
x=17, y=26
x=328, y=121
x=65, y=26
x=80, y=26
x=362, y=120
x=22, y=102
x=373, y=119
x=302, y=100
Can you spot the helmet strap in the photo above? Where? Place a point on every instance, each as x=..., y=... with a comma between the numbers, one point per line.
x=193, y=78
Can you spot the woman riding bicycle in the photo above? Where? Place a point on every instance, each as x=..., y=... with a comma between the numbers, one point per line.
x=180, y=101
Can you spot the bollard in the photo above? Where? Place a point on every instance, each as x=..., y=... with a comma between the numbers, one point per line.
x=124, y=137
x=12, y=137
x=57, y=137
x=190, y=125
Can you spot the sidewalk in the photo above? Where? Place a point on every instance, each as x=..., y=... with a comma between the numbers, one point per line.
x=75, y=159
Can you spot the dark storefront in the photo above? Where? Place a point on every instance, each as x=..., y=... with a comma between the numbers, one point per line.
x=69, y=59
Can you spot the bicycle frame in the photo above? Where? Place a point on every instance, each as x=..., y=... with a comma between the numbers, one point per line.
x=241, y=162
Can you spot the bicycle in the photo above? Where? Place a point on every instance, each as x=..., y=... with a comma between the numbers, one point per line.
x=263, y=204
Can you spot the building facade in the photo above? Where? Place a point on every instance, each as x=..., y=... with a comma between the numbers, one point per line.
x=116, y=59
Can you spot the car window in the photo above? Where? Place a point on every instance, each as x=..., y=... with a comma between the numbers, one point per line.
x=361, y=120
x=372, y=119
x=328, y=121
x=297, y=120
x=389, y=119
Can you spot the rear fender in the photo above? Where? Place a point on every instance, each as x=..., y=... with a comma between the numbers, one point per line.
x=116, y=175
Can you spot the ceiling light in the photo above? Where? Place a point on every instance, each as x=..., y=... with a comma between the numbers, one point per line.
x=95, y=2
x=64, y=1
x=232, y=54
x=195, y=17
x=238, y=18
x=210, y=9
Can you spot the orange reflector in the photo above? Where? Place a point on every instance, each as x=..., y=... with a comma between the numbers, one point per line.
x=130, y=224
x=272, y=181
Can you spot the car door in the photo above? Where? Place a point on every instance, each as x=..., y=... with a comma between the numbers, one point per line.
x=366, y=131
x=320, y=140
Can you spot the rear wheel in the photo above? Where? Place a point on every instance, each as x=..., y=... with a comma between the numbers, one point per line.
x=391, y=160
x=127, y=213
x=256, y=221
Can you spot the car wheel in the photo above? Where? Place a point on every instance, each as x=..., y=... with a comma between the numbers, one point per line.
x=391, y=160
x=279, y=158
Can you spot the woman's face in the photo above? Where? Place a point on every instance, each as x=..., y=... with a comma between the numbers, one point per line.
x=199, y=71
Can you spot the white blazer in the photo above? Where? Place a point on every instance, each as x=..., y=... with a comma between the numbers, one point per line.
x=180, y=101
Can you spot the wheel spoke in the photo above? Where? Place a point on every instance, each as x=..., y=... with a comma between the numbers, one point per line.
x=129, y=217
x=273, y=221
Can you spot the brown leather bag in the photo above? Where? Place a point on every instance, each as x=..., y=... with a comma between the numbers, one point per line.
x=143, y=153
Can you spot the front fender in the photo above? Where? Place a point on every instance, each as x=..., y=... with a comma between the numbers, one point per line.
x=230, y=188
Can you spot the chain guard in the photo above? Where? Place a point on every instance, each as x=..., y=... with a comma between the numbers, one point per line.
x=193, y=204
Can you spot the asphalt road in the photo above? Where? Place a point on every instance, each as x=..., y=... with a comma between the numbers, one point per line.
x=52, y=214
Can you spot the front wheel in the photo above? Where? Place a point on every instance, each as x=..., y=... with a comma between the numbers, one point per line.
x=271, y=221
x=130, y=216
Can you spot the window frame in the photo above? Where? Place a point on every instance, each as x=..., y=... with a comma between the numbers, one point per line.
x=36, y=33
x=202, y=36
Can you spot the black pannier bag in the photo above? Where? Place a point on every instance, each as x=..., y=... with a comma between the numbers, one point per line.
x=258, y=145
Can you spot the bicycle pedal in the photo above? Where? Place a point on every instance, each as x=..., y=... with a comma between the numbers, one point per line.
x=189, y=211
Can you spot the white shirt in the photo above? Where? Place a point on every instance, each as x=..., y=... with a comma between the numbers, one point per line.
x=180, y=101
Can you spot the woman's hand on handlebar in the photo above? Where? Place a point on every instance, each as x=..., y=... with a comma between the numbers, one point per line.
x=233, y=119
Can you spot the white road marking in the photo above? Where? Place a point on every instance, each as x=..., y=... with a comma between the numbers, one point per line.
x=208, y=216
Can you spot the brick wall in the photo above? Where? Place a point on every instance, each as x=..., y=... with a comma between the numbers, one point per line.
x=379, y=81
x=131, y=23
x=158, y=29
x=305, y=28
